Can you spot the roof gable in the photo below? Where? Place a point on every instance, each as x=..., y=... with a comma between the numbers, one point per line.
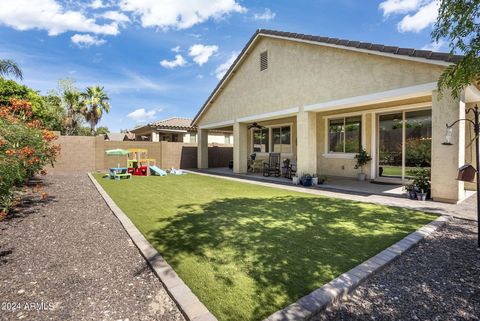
x=422, y=56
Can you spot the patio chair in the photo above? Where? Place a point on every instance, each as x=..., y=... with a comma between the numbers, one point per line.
x=291, y=170
x=273, y=165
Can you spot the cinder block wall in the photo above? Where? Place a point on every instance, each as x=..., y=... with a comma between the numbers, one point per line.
x=86, y=153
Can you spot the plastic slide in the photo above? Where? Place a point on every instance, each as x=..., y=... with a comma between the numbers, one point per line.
x=154, y=170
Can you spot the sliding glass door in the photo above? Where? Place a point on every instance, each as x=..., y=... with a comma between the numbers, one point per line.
x=404, y=143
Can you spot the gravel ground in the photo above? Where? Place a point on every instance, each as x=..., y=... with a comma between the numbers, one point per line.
x=68, y=258
x=437, y=280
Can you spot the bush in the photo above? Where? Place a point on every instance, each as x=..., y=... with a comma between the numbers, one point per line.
x=25, y=149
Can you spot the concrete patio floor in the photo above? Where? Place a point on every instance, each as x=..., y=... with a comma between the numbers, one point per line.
x=351, y=189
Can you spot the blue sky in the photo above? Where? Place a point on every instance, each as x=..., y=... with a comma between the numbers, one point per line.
x=158, y=59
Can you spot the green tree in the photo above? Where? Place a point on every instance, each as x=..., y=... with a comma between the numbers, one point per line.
x=44, y=108
x=458, y=23
x=52, y=114
x=103, y=130
x=9, y=67
x=96, y=102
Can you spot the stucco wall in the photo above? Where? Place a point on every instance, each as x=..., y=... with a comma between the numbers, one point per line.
x=301, y=74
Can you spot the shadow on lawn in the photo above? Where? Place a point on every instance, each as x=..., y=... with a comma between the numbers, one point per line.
x=288, y=245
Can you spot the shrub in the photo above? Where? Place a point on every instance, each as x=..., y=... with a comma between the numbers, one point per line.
x=25, y=149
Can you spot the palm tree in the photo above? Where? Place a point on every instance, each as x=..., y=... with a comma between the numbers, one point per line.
x=10, y=67
x=74, y=104
x=95, y=103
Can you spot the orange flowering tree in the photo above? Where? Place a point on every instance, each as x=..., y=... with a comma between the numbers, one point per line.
x=25, y=149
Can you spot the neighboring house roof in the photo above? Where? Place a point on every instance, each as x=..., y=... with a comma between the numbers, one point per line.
x=426, y=56
x=116, y=137
x=173, y=123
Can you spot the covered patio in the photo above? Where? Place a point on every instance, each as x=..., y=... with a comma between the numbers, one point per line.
x=334, y=183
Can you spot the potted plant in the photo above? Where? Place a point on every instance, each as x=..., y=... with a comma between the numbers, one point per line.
x=362, y=159
x=306, y=180
x=411, y=191
x=421, y=181
x=295, y=180
x=314, y=179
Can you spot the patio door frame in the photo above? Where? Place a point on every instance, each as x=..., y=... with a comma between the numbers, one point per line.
x=375, y=162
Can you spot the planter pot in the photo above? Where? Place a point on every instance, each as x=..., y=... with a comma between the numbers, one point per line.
x=421, y=196
x=307, y=182
x=314, y=181
x=361, y=177
x=295, y=180
x=412, y=195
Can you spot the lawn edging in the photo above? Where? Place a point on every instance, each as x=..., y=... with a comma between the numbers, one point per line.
x=339, y=288
x=187, y=302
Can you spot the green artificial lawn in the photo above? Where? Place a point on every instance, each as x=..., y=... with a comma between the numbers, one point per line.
x=396, y=171
x=247, y=250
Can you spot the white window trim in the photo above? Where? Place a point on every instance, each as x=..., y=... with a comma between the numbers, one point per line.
x=342, y=155
x=270, y=146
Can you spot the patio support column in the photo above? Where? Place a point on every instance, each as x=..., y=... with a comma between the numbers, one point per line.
x=306, y=142
x=446, y=159
x=202, y=148
x=240, y=153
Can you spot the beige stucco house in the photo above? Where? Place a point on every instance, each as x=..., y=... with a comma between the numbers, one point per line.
x=320, y=100
x=178, y=129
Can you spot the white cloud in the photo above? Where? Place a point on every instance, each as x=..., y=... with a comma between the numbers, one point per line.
x=399, y=6
x=423, y=18
x=115, y=16
x=86, y=40
x=176, y=49
x=170, y=64
x=201, y=53
x=179, y=14
x=223, y=68
x=50, y=15
x=435, y=46
x=419, y=14
x=141, y=114
x=267, y=15
x=97, y=4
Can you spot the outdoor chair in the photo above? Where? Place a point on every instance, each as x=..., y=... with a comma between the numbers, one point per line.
x=291, y=170
x=273, y=165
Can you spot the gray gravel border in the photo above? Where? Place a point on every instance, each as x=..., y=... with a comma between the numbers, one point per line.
x=339, y=288
x=187, y=302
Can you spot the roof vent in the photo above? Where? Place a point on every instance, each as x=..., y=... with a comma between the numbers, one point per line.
x=263, y=60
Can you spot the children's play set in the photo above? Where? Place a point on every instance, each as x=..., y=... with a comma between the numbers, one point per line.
x=138, y=164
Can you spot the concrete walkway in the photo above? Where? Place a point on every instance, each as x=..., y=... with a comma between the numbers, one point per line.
x=465, y=210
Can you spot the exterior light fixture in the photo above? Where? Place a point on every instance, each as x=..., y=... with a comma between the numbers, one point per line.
x=448, y=136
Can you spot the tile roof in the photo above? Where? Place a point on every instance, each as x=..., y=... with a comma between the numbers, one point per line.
x=407, y=52
x=174, y=123
x=410, y=52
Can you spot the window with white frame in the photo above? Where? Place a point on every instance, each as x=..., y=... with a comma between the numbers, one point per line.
x=281, y=139
x=345, y=135
x=260, y=140
x=272, y=139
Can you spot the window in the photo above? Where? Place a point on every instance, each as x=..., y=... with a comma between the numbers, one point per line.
x=227, y=139
x=344, y=135
x=260, y=140
x=193, y=138
x=263, y=60
x=281, y=139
